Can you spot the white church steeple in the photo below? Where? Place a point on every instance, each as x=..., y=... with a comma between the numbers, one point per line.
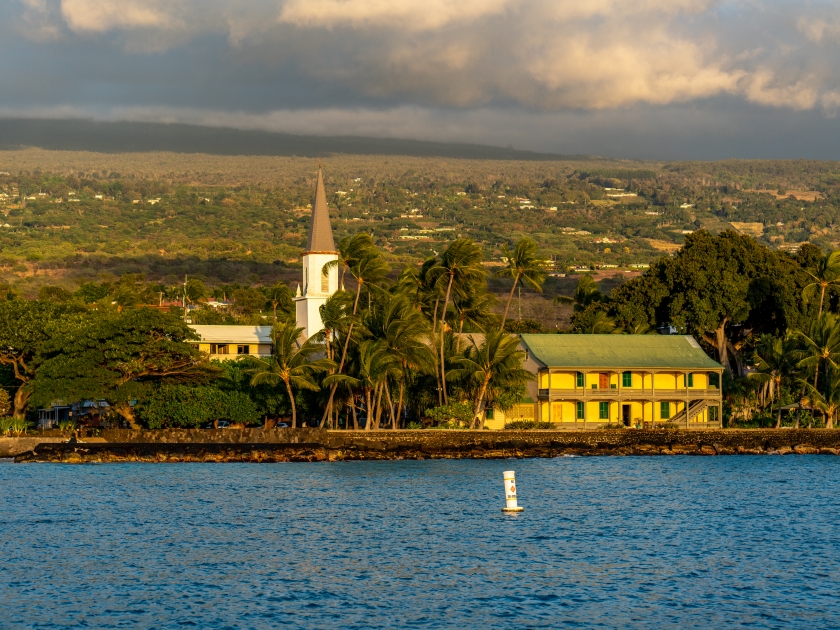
x=320, y=249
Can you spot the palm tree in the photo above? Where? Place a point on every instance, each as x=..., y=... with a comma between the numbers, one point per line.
x=460, y=267
x=370, y=271
x=586, y=293
x=375, y=364
x=598, y=324
x=828, y=400
x=350, y=250
x=474, y=308
x=496, y=362
x=278, y=295
x=291, y=363
x=522, y=265
x=405, y=333
x=820, y=345
x=826, y=275
x=775, y=362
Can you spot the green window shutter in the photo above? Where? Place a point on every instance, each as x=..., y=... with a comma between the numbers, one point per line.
x=664, y=410
x=580, y=381
x=626, y=379
x=690, y=379
x=488, y=414
x=580, y=411
x=604, y=410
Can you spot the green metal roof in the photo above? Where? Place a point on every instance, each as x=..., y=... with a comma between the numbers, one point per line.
x=619, y=351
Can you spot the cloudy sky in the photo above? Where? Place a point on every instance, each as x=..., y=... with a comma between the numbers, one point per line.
x=626, y=78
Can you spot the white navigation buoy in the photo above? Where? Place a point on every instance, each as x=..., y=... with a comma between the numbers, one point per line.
x=510, y=493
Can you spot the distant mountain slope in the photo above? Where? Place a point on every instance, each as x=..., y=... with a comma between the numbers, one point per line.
x=131, y=137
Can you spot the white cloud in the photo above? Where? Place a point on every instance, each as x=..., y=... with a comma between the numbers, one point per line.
x=99, y=16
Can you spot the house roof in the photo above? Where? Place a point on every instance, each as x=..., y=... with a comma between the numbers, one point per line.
x=234, y=334
x=320, y=230
x=619, y=351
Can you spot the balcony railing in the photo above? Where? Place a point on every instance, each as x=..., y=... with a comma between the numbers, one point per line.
x=627, y=392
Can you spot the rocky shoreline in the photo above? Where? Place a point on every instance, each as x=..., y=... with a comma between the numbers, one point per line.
x=309, y=445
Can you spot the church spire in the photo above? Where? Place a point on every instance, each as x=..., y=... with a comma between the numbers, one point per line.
x=320, y=231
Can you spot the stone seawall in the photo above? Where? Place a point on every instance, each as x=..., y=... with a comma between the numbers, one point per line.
x=284, y=445
x=14, y=446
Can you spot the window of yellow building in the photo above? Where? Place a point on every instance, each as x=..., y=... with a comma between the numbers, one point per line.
x=664, y=410
x=580, y=380
x=604, y=410
x=690, y=379
x=626, y=379
x=581, y=411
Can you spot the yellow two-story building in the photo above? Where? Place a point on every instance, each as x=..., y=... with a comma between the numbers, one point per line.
x=588, y=381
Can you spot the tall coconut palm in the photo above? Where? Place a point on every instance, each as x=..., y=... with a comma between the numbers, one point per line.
x=825, y=276
x=474, y=308
x=370, y=271
x=496, y=361
x=291, y=363
x=523, y=265
x=460, y=267
x=821, y=346
x=279, y=295
x=374, y=365
x=776, y=362
x=405, y=333
x=350, y=250
x=827, y=400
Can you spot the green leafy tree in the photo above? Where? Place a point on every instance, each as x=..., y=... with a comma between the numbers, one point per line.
x=24, y=328
x=118, y=358
x=195, y=406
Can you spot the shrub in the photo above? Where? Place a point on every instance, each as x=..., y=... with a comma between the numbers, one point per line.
x=457, y=413
x=184, y=406
x=5, y=425
x=669, y=425
x=66, y=426
x=613, y=427
x=414, y=425
x=20, y=425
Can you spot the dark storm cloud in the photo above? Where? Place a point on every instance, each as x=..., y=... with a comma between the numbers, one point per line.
x=651, y=78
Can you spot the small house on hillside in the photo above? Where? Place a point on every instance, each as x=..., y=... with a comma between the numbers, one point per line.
x=232, y=342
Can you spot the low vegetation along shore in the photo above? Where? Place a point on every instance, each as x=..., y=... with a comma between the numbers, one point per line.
x=308, y=445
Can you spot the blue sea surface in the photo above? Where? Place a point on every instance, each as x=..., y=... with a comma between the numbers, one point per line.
x=613, y=542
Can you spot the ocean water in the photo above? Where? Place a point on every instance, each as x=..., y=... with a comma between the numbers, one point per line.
x=613, y=542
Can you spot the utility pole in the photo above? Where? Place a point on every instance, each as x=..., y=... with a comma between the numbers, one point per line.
x=185, y=297
x=520, y=303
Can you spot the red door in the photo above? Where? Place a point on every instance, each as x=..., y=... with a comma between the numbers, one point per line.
x=603, y=381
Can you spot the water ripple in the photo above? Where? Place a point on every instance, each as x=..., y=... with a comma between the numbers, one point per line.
x=603, y=543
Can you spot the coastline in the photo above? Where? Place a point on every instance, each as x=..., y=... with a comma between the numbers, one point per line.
x=313, y=445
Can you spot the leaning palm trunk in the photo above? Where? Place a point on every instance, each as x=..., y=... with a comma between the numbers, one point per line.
x=442, y=329
x=509, y=300
x=292, y=402
x=343, y=356
x=479, y=423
